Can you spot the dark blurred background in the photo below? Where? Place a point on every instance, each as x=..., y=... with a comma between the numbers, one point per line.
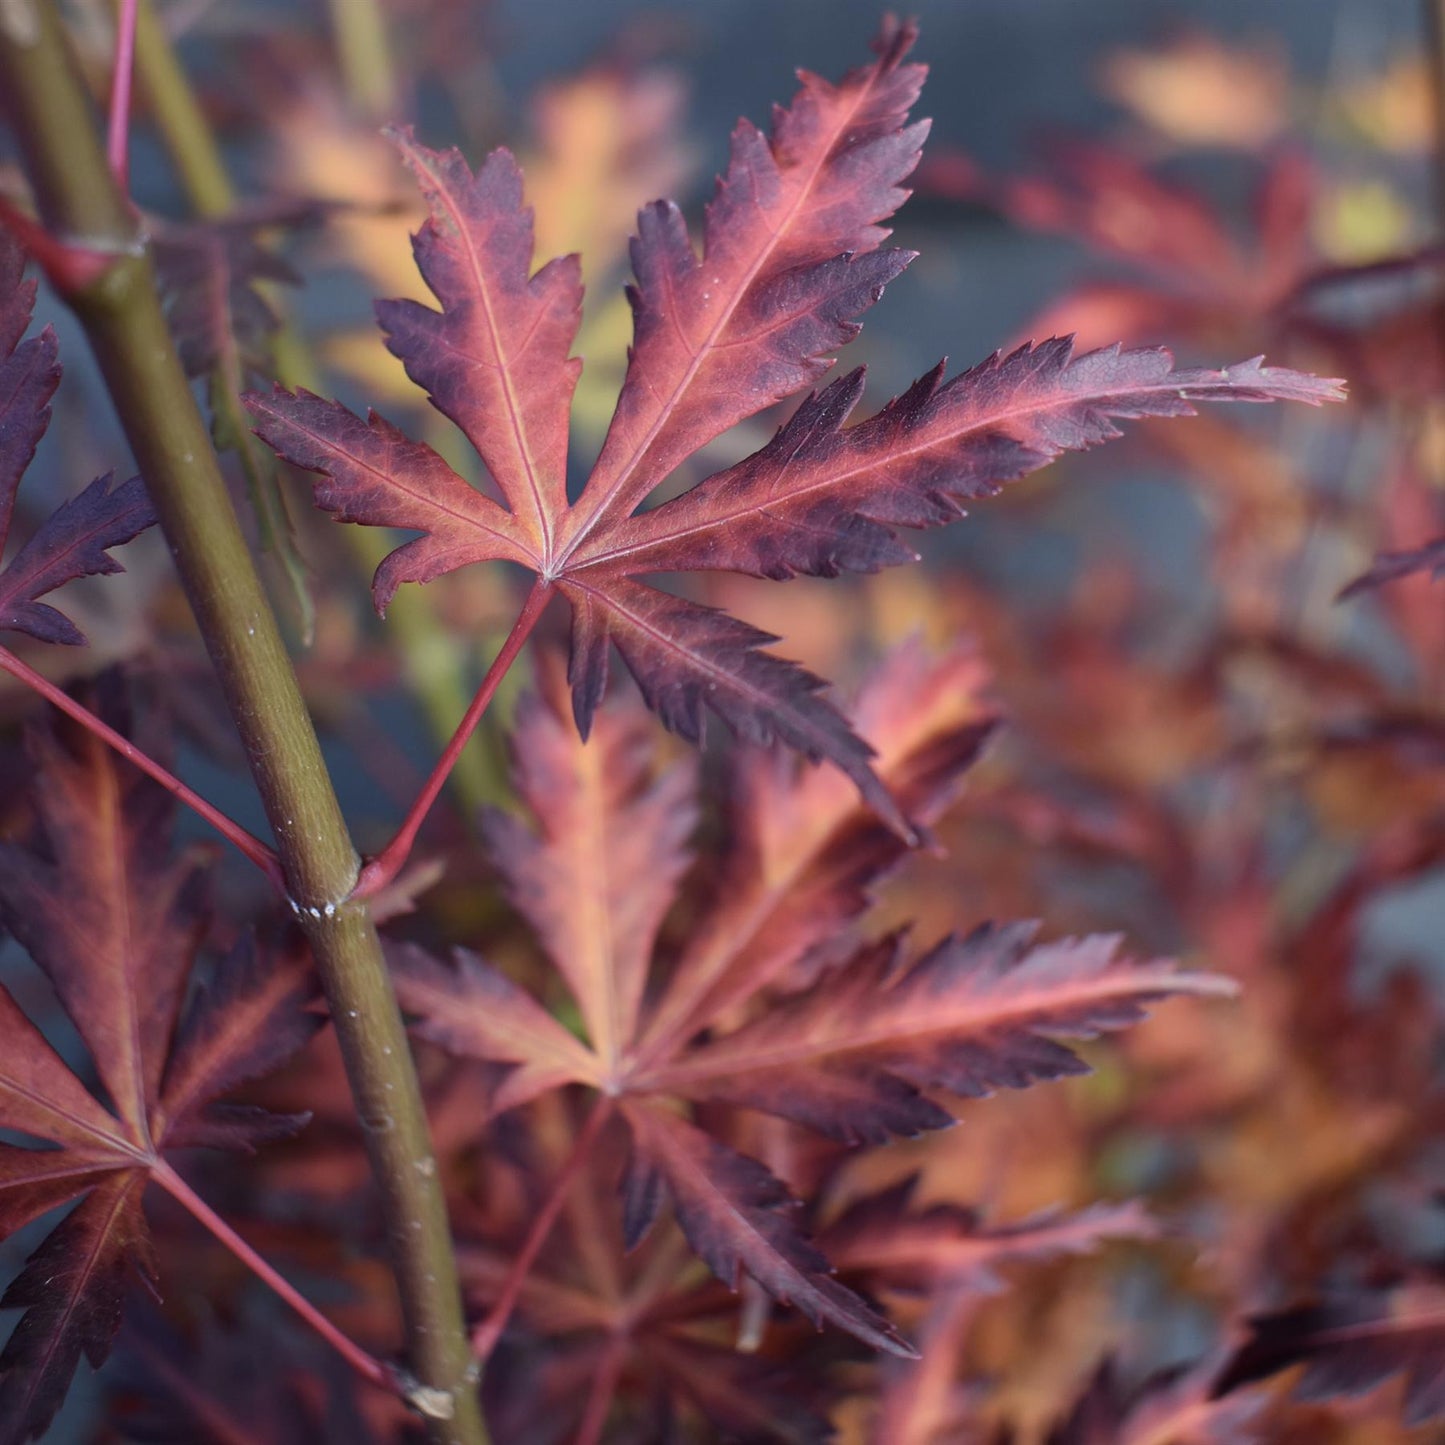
x=1004, y=74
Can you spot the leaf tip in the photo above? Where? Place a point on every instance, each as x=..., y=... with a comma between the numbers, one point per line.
x=895, y=38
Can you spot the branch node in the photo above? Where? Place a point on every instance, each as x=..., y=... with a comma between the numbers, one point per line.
x=430, y=1401
x=318, y=913
x=103, y=247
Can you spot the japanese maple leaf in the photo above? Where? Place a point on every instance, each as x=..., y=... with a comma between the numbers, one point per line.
x=762, y=1008
x=792, y=252
x=887, y=1237
x=1187, y=271
x=1391, y=566
x=211, y=275
x=944, y=1256
x=1169, y=1406
x=639, y=1331
x=73, y=541
x=1350, y=1344
x=258, y=1384
x=114, y=922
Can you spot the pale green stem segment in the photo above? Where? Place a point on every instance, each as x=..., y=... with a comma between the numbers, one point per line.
x=53, y=119
x=434, y=664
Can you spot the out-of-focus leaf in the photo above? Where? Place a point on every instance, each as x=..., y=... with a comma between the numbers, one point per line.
x=73, y=541
x=1350, y=1344
x=115, y=924
x=792, y=254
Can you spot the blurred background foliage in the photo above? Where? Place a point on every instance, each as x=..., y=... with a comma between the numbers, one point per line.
x=1204, y=750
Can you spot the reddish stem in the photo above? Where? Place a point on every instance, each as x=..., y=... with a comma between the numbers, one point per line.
x=117, y=139
x=262, y=856
x=604, y=1387
x=380, y=870
x=366, y=1365
x=68, y=268
x=486, y=1335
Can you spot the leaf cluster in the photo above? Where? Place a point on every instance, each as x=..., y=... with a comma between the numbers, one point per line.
x=693, y=1029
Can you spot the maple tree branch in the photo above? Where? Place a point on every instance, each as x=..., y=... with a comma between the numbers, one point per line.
x=117, y=139
x=364, y=1363
x=486, y=1335
x=380, y=870
x=121, y=313
x=258, y=852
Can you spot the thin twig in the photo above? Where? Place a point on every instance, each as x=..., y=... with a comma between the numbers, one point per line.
x=262, y=856
x=365, y=1364
x=380, y=870
x=604, y=1387
x=486, y=1335
x=117, y=136
x=181, y=124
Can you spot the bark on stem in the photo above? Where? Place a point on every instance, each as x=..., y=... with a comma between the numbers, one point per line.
x=121, y=312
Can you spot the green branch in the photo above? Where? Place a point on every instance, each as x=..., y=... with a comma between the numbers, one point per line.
x=430, y=658
x=121, y=313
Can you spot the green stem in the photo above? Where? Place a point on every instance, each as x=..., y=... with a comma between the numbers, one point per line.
x=121, y=313
x=178, y=116
x=431, y=661
x=364, y=54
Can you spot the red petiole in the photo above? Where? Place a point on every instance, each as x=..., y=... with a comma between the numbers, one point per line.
x=117, y=138
x=486, y=1335
x=366, y=1365
x=381, y=869
x=254, y=849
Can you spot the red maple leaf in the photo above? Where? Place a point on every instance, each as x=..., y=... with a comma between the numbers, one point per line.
x=1391, y=566
x=1352, y=1342
x=73, y=541
x=762, y=1008
x=115, y=923
x=792, y=252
